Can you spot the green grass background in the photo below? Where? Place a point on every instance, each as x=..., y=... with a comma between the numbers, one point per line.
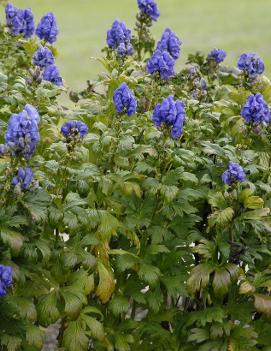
x=234, y=25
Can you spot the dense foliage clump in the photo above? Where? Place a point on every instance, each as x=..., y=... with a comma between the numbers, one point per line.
x=137, y=218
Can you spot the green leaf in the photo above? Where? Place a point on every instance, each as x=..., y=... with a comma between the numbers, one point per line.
x=74, y=337
x=175, y=285
x=108, y=225
x=93, y=310
x=73, y=200
x=155, y=249
x=119, y=305
x=13, y=239
x=199, y=277
x=96, y=328
x=198, y=335
x=149, y=273
x=205, y=248
x=256, y=214
x=189, y=178
x=169, y=192
x=12, y=343
x=37, y=203
x=123, y=341
x=221, y=281
x=208, y=315
x=125, y=262
x=155, y=299
x=214, y=149
x=34, y=336
x=27, y=308
x=74, y=300
x=47, y=309
x=217, y=200
x=82, y=281
x=69, y=259
x=126, y=143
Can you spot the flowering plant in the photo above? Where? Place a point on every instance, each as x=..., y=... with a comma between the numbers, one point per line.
x=139, y=217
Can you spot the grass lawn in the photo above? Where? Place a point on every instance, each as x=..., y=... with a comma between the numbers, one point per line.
x=234, y=25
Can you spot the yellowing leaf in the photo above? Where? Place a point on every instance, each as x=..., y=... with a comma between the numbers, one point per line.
x=246, y=288
x=106, y=283
x=221, y=218
x=254, y=202
x=263, y=304
x=130, y=188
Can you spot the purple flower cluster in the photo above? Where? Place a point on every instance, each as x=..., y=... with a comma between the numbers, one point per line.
x=256, y=110
x=21, y=22
x=167, y=51
x=74, y=128
x=171, y=43
x=119, y=39
x=47, y=28
x=234, y=173
x=149, y=9
x=217, y=55
x=125, y=100
x=23, y=179
x=22, y=133
x=43, y=57
x=5, y=279
x=251, y=64
x=170, y=112
x=51, y=74
x=161, y=62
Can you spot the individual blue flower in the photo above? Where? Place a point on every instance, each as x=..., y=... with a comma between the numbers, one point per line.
x=170, y=43
x=251, y=64
x=43, y=57
x=256, y=110
x=125, y=100
x=162, y=63
x=20, y=21
x=119, y=39
x=23, y=178
x=149, y=9
x=47, y=28
x=192, y=71
x=74, y=128
x=217, y=55
x=51, y=74
x=5, y=279
x=22, y=134
x=171, y=113
x=234, y=173
x=3, y=149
